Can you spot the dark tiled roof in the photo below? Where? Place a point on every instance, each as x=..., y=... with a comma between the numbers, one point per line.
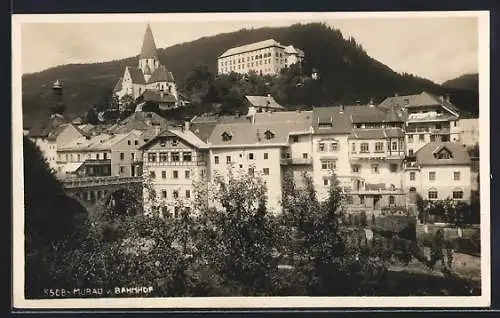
x=158, y=96
x=341, y=121
x=148, y=44
x=139, y=121
x=161, y=74
x=425, y=155
x=45, y=126
x=263, y=101
x=375, y=133
x=136, y=75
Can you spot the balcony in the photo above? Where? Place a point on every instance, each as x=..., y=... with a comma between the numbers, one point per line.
x=428, y=130
x=76, y=182
x=377, y=155
x=296, y=161
x=174, y=163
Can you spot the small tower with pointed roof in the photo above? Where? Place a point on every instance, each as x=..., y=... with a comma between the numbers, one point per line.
x=148, y=59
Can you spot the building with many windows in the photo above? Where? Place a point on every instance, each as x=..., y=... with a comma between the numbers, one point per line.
x=440, y=170
x=264, y=58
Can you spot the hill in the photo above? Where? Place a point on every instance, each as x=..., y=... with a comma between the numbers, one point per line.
x=347, y=72
x=466, y=82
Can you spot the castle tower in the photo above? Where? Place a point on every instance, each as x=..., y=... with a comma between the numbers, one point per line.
x=148, y=60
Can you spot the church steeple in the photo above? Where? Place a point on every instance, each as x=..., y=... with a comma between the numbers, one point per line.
x=148, y=50
x=148, y=61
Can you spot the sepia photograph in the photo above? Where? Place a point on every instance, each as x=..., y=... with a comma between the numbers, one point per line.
x=251, y=160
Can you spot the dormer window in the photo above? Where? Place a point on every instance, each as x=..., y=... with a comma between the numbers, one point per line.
x=269, y=134
x=174, y=142
x=325, y=122
x=443, y=154
x=226, y=136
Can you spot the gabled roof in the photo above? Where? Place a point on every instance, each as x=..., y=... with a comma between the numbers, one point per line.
x=161, y=74
x=139, y=121
x=263, y=101
x=285, y=117
x=118, y=85
x=251, y=47
x=203, y=130
x=186, y=135
x=341, y=121
x=148, y=44
x=158, y=96
x=418, y=100
x=94, y=143
x=425, y=155
x=377, y=133
x=136, y=75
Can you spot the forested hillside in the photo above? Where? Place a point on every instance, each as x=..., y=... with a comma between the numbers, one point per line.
x=466, y=81
x=347, y=73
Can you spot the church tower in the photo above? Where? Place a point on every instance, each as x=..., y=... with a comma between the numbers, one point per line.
x=148, y=60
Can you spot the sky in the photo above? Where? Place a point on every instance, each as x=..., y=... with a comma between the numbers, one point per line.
x=436, y=48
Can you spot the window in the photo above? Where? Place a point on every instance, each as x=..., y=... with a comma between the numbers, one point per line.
x=152, y=157
x=394, y=146
x=175, y=156
x=443, y=154
x=456, y=175
x=432, y=176
x=321, y=147
x=355, y=168
x=375, y=168
x=304, y=155
x=334, y=146
x=176, y=195
x=216, y=160
x=152, y=174
x=295, y=138
x=132, y=156
x=188, y=194
x=122, y=156
x=175, y=142
x=266, y=156
x=176, y=174
x=187, y=174
x=164, y=193
x=433, y=194
x=412, y=175
x=458, y=194
x=186, y=156
x=163, y=156
x=392, y=200
x=393, y=167
x=362, y=199
x=421, y=137
x=136, y=142
x=105, y=156
x=163, y=174
x=325, y=181
x=228, y=159
x=122, y=169
x=379, y=147
x=250, y=156
x=269, y=134
x=410, y=139
x=128, y=142
x=410, y=152
x=353, y=147
x=250, y=171
x=364, y=147
x=78, y=157
x=328, y=164
x=265, y=171
x=226, y=136
x=97, y=156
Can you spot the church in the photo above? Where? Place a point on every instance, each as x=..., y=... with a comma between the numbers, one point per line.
x=150, y=81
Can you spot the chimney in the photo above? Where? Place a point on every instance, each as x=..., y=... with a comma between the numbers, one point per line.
x=371, y=102
x=341, y=109
x=162, y=94
x=396, y=94
x=187, y=125
x=441, y=98
x=358, y=102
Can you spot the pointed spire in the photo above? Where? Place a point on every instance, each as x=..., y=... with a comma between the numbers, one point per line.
x=148, y=44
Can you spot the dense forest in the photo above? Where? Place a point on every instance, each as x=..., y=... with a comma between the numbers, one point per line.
x=466, y=81
x=347, y=73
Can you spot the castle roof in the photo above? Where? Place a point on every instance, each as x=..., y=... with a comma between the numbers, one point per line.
x=148, y=45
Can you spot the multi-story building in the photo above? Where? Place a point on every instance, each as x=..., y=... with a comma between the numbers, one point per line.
x=364, y=147
x=428, y=119
x=440, y=170
x=174, y=160
x=101, y=155
x=264, y=58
